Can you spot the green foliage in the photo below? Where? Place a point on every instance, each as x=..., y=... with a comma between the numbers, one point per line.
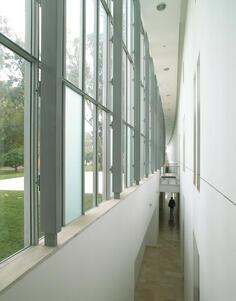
x=89, y=200
x=73, y=75
x=88, y=156
x=14, y=158
x=12, y=68
x=11, y=122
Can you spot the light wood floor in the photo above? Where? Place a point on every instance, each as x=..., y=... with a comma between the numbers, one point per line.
x=160, y=277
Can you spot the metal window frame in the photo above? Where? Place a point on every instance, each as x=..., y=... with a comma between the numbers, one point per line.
x=51, y=119
x=128, y=61
x=79, y=91
x=117, y=103
x=53, y=84
x=97, y=105
x=153, y=87
x=147, y=89
x=137, y=82
x=31, y=224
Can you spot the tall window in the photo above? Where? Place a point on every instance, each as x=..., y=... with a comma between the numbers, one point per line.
x=150, y=115
x=58, y=101
x=142, y=106
x=184, y=145
x=128, y=94
x=18, y=130
x=89, y=70
x=197, y=125
x=15, y=22
x=74, y=42
x=90, y=47
x=89, y=155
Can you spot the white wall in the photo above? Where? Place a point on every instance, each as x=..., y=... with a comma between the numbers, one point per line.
x=210, y=213
x=99, y=264
x=172, y=148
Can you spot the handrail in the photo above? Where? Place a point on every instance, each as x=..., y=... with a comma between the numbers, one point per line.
x=170, y=168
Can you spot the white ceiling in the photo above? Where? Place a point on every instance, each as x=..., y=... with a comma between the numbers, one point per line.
x=163, y=32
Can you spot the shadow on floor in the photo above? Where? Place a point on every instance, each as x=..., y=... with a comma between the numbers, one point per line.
x=160, y=277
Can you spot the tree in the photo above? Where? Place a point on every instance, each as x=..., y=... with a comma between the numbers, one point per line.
x=73, y=53
x=12, y=90
x=14, y=158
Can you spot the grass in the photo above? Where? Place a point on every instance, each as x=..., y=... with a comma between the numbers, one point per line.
x=88, y=167
x=88, y=201
x=10, y=174
x=11, y=222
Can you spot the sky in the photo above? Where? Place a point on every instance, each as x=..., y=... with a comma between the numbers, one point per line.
x=14, y=12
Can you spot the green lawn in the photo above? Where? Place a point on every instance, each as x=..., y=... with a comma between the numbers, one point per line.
x=11, y=222
x=88, y=167
x=9, y=174
x=88, y=200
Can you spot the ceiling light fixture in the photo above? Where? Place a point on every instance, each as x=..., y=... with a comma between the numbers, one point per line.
x=161, y=6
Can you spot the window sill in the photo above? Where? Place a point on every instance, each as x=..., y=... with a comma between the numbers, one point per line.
x=17, y=266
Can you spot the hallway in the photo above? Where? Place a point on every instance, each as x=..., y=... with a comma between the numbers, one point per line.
x=160, y=277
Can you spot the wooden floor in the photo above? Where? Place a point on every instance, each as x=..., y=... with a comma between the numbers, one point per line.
x=160, y=277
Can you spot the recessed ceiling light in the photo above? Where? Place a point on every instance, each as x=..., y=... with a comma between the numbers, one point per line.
x=161, y=6
x=166, y=69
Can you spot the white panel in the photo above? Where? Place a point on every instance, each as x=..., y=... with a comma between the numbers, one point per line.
x=73, y=155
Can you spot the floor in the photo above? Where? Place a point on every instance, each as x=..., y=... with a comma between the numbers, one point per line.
x=160, y=277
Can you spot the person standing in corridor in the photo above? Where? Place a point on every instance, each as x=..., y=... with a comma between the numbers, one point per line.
x=172, y=207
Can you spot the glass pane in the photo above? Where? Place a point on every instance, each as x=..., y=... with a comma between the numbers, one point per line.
x=73, y=155
x=125, y=21
x=111, y=7
x=40, y=31
x=101, y=156
x=74, y=42
x=132, y=29
x=132, y=96
x=142, y=157
x=132, y=156
x=129, y=158
x=90, y=52
x=14, y=206
x=130, y=100
x=142, y=58
x=124, y=85
x=89, y=155
x=102, y=57
x=150, y=155
x=40, y=230
x=142, y=111
x=129, y=25
x=124, y=170
x=110, y=95
x=15, y=21
x=111, y=156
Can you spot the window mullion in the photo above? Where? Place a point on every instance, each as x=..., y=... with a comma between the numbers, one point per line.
x=51, y=120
